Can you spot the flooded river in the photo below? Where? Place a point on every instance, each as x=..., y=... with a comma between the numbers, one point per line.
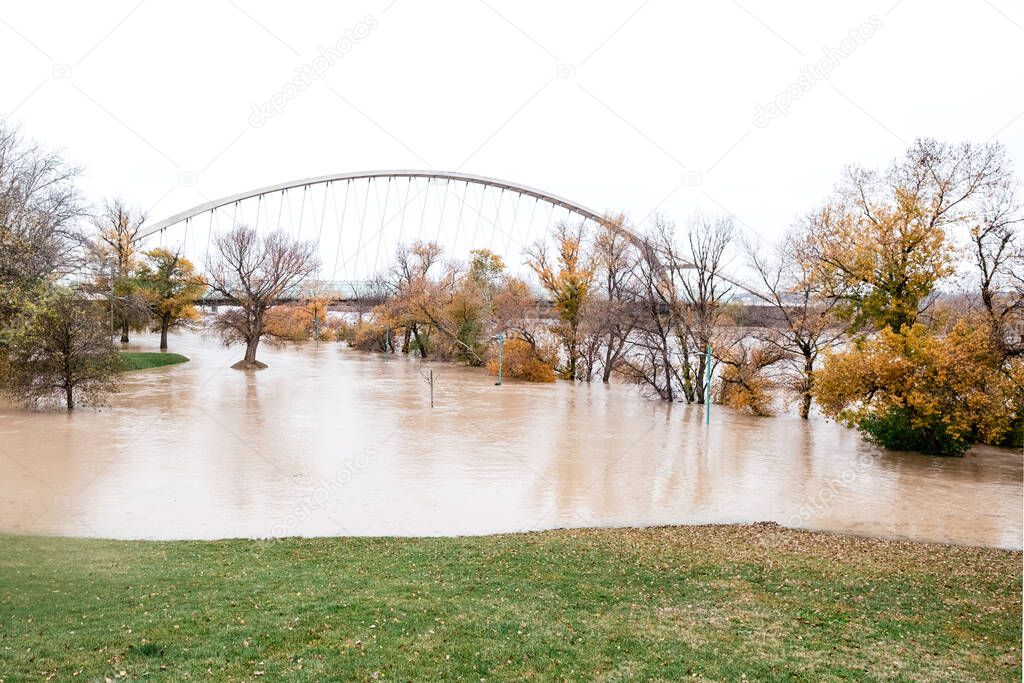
x=332, y=441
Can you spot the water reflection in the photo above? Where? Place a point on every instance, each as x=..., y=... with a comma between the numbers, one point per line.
x=330, y=441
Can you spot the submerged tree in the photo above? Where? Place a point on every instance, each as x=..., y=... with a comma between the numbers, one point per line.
x=406, y=286
x=118, y=227
x=656, y=287
x=707, y=292
x=612, y=313
x=911, y=380
x=683, y=294
x=568, y=278
x=801, y=322
x=747, y=383
x=254, y=273
x=917, y=390
x=60, y=345
x=170, y=285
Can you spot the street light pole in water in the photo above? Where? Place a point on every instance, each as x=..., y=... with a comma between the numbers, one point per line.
x=501, y=343
x=111, y=262
x=707, y=389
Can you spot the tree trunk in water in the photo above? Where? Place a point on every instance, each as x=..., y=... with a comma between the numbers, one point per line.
x=163, y=336
x=606, y=371
x=805, y=400
x=667, y=365
x=69, y=398
x=698, y=386
x=249, y=362
x=419, y=342
x=124, y=331
x=250, y=350
x=805, y=405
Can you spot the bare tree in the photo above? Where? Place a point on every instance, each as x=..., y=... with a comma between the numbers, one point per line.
x=707, y=291
x=998, y=255
x=651, y=362
x=682, y=294
x=801, y=321
x=39, y=210
x=614, y=313
x=254, y=273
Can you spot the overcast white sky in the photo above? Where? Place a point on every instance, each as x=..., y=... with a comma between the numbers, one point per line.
x=635, y=106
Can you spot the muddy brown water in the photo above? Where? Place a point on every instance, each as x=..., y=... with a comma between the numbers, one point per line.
x=332, y=441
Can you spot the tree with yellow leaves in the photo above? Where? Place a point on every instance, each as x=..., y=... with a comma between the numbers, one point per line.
x=118, y=227
x=523, y=360
x=881, y=261
x=882, y=246
x=170, y=285
x=568, y=278
x=881, y=241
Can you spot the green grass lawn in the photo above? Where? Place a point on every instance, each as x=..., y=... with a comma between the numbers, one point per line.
x=143, y=360
x=659, y=604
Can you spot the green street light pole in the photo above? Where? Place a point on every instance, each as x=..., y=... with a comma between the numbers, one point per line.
x=707, y=389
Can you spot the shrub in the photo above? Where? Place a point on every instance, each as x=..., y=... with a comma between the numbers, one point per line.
x=746, y=381
x=914, y=390
x=289, y=323
x=368, y=336
x=523, y=361
x=895, y=428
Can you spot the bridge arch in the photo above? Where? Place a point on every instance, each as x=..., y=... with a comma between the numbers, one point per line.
x=582, y=211
x=524, y=190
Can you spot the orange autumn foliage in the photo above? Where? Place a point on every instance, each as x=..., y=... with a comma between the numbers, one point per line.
x=932, y=393
x=522, y=361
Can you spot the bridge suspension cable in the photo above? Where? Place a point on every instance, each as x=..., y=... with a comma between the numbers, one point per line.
x=352, y=249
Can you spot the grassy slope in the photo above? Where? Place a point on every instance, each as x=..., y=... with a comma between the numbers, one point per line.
x=664, y=603
x=143, y=360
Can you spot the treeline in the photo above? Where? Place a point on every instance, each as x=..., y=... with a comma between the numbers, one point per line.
x=896, y=305
x=71, y=279
x=56, y=327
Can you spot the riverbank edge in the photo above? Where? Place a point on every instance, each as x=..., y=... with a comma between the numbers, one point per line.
x=752, y=526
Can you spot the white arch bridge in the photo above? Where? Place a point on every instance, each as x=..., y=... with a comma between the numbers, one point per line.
x=357, y=219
